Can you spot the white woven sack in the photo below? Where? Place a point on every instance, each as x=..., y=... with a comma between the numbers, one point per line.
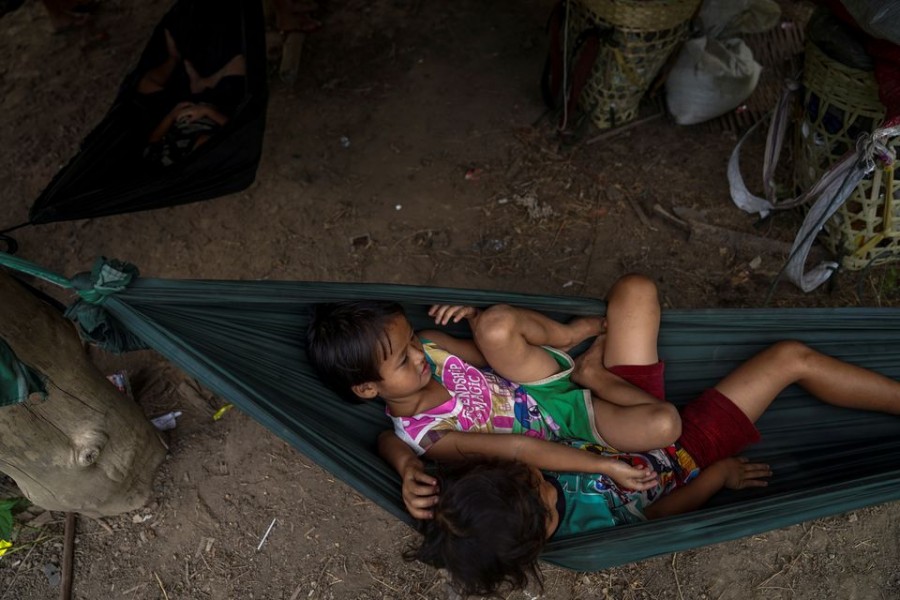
x=710, y=78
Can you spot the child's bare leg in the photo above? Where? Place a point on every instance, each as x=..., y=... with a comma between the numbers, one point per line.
x=158, y=77
x=755, y=384
x=510, y=339
x=639, y=427
x=236, y=66
x=632, y=315
x=632, y=329
x=626, y=416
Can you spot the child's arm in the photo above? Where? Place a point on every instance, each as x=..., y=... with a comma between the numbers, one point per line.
x=735, y=473
x=419, y=488
x=458, y=445
x=465, y=349
x=160, y=131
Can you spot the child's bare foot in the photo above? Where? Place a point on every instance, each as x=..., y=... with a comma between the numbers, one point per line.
x=590, y=364
x=583, y=328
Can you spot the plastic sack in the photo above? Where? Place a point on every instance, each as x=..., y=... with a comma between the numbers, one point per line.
x=710, y=78
x=729, y=18
x=878, y=18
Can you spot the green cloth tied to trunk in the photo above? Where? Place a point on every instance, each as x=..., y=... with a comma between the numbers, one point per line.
x=17, y=380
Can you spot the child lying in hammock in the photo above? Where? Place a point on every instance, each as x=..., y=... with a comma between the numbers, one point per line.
x=445, y=403
x=491, y=520
x=194, y=109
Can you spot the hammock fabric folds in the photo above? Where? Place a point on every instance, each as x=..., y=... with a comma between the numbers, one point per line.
x=117, y=169
x=244, y=340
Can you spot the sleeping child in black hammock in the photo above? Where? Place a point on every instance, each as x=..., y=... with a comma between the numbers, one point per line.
x=194, y=106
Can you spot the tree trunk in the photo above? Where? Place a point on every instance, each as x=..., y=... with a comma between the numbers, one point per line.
x=88, y=448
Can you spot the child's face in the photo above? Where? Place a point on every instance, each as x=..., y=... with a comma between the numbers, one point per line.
x=404, y=370
x=548, y=498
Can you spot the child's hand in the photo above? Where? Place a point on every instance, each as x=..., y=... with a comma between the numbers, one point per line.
x=419, y=490
x=740, y=473
x=626, y=476
x=444, y=313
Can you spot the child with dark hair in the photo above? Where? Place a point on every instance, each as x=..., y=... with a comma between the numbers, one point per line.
x=446, y=402
x=715, y=427
x=195, y=106
x=489, y=526
x=342, y=339
x=494, y=518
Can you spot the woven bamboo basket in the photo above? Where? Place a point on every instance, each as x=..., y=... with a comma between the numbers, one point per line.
x=645, y=33
x=840, y=103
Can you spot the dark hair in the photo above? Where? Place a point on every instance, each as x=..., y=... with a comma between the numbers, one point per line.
x=343, y=339
x=488, y=529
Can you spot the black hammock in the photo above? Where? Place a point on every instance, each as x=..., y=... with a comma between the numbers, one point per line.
x=244, y=340
x=117, y=170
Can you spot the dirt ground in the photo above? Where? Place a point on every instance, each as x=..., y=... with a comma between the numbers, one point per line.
x=425, y=93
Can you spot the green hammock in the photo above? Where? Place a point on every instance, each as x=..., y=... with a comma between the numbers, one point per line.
x=244, y=340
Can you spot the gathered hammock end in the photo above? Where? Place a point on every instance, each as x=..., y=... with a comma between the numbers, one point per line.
x=95, y=324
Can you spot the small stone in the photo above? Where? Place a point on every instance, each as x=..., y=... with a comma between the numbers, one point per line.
x=51, y=572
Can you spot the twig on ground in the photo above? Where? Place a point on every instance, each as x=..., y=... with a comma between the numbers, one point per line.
x=65, y=591
x=132, y=590
x=102, y=524
x=322, y=572
x=162, y=589
x=382, y=582
x=622, y=128
x=559, y=231
x=266, y=535
x=787, y=567
x=297, y=591
x=675, y=572
x=19, y=570
x=615, y=195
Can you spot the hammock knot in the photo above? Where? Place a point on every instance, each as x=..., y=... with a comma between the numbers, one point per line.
x=875, y=148
x=95, y=324
x=105, y=279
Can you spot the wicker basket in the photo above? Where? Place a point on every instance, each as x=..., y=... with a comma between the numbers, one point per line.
x=645, y=33
x=840, y=103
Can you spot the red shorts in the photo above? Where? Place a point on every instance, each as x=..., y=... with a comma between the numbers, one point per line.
x=712, y=427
